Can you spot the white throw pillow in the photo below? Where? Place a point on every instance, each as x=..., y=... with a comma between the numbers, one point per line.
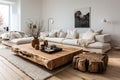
x=44, y=34
x=57, y=32
x=14, y=35
x=22, y=34
x=99, y=31
x=62, y=34
x=52, y=34
x=89, y=35
x=71, y=34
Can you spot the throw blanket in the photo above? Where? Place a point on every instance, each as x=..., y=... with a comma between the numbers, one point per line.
x=84, y=42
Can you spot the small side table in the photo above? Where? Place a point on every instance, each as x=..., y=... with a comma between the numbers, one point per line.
x=91, y=62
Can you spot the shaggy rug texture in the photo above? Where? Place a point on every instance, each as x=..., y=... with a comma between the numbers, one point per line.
x=33, y=70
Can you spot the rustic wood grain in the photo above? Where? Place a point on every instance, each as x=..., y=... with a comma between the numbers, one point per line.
x=91, y=62
x=50, y=61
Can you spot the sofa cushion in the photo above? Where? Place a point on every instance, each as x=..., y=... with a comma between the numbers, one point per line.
x=89, y=35
x=71, y=34
x=99, y=31
x=23, y=34
x=57, y=32
x=14, y=35
x=22, y=40
x=58, y=40
x=62, y=34
x=71, y=42
x=98, y=45
x=52, y=34
x=44, y=34
x=103, y=38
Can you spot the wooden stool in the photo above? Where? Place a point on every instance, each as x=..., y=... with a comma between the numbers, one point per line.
x=90, y=62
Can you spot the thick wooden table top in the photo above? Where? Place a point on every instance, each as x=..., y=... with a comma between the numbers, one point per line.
x=66, y=51
x=49, y=60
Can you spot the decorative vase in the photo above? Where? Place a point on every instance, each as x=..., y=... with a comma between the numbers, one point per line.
x=35, y=41
x=37, y=47
x=45, y=43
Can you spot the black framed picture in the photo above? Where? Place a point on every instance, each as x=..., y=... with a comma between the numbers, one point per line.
x=82, y=18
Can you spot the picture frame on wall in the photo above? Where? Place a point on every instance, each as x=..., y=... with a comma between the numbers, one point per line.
x=82, y=17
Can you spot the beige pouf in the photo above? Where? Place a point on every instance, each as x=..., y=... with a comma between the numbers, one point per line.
x=90, y=62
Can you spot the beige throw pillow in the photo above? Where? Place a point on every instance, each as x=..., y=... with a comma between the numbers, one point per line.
x=55, y=33
x=44, y=34
x=62, y=34
x=99, y=31
x=14, y=35
x=71, y=34
x=89, y=35
x=52, y=34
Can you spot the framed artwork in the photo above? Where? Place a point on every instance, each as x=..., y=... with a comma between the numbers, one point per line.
x=82, y=18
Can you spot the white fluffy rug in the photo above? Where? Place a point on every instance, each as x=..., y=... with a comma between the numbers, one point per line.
x=33, y=70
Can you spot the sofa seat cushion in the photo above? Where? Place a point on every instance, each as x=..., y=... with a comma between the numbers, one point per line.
x=22, y=40
x=99, y=45
x=73, y=42
x=58, y=40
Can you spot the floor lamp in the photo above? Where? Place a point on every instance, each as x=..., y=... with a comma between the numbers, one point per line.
x=50, y=21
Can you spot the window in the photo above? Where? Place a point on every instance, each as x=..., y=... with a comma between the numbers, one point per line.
x=4, y=15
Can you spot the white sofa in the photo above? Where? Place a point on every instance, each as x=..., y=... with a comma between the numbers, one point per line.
x=15, y=37
x=18, y=41
x=101, y=44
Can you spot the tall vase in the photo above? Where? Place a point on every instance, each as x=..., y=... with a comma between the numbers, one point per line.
x=35, y=42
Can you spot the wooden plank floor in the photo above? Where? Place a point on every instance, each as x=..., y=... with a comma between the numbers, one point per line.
x=10, y=72
x=112, y=73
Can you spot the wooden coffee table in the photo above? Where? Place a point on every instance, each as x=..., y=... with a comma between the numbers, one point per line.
x=50, y=61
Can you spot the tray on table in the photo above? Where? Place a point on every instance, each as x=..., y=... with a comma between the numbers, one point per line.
x=51, y=50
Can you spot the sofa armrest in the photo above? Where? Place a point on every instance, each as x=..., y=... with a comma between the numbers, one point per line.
x=103, y=38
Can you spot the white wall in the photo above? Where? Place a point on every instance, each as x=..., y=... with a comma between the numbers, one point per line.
x=30, y=9
x=62, y=11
